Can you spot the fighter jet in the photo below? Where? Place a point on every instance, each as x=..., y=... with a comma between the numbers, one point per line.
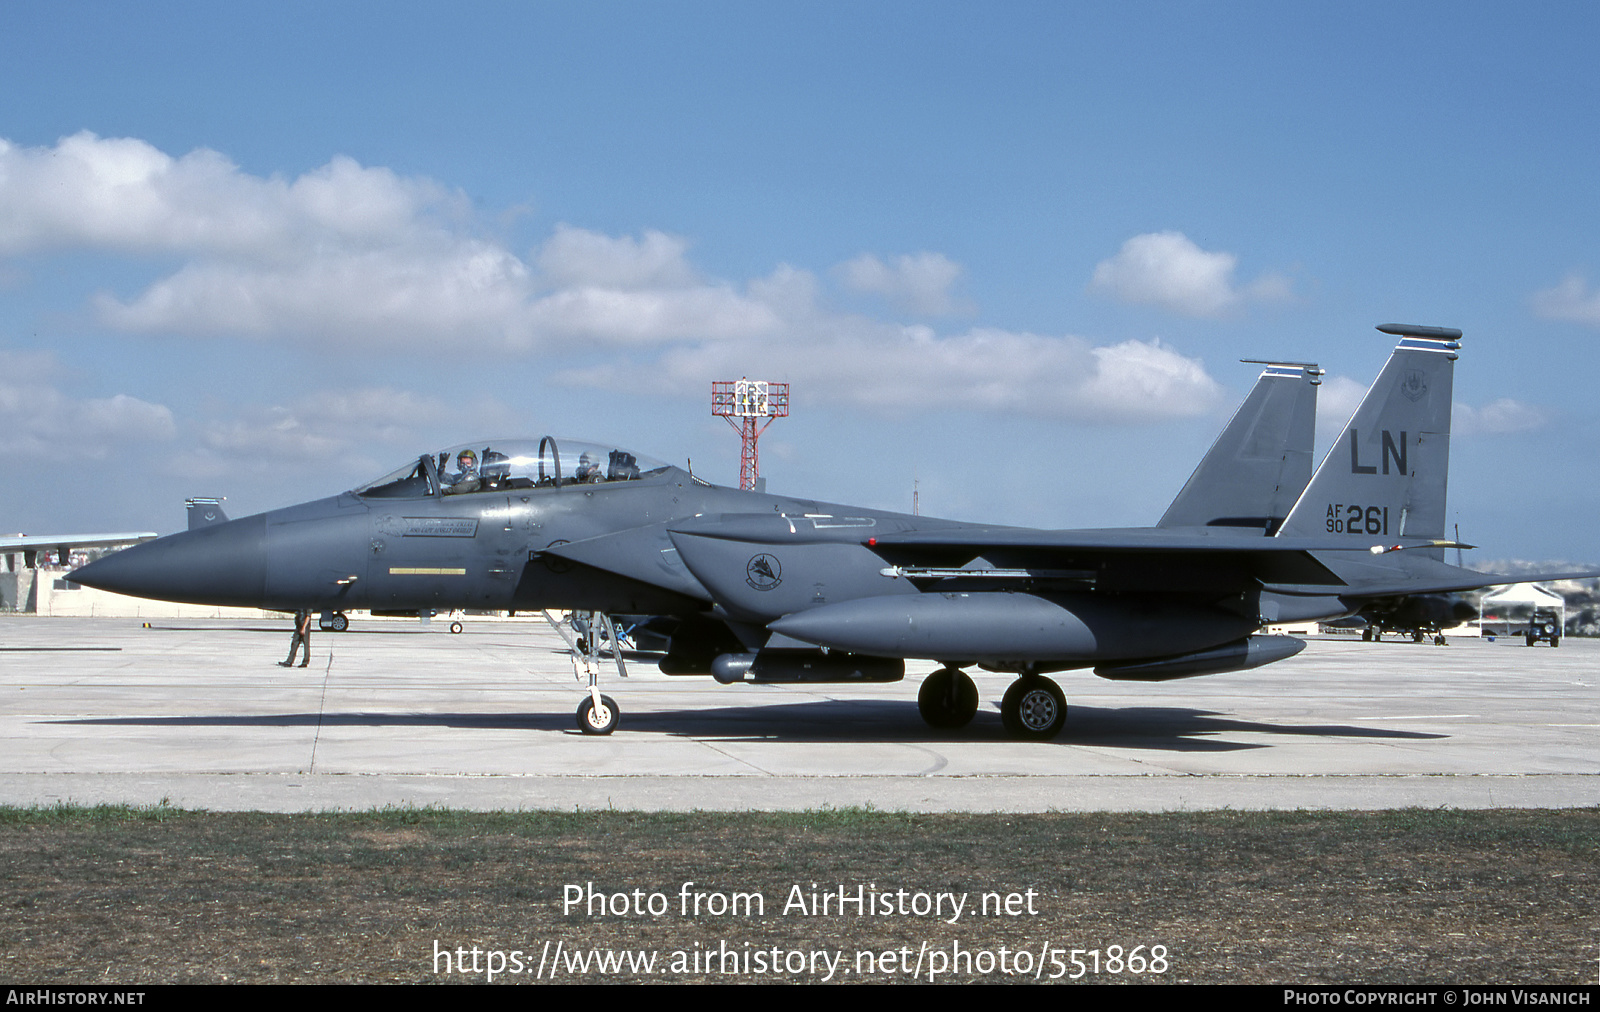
x=769, y=587
x=1420, y=617
x=557, y=523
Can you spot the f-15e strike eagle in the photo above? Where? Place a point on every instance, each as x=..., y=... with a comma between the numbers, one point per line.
x=773, y=588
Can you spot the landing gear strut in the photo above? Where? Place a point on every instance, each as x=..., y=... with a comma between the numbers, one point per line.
x=597, y=714
x=1034, y=708
x=948, y=699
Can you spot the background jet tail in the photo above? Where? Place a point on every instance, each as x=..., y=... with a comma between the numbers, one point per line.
x=1261, y=462
x=203, y=511
x=1385, y=476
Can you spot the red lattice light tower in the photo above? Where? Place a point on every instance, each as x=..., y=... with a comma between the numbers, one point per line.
x=743, y=403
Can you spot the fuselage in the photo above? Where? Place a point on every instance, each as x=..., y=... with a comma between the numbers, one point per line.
x=519, y=526
x=409, y=545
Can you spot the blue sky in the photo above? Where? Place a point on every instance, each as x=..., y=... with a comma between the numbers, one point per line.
x=1011, y=252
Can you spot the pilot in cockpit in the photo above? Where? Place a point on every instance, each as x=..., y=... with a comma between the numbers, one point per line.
x=465, y=478
x=589, y=469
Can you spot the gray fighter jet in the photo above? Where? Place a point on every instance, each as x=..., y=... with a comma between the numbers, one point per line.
x=768, y=587
x=526, y=525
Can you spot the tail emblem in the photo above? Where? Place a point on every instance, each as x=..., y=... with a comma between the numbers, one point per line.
x=1414, y=386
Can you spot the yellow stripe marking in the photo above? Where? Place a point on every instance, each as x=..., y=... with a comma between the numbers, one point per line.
x=421, y=571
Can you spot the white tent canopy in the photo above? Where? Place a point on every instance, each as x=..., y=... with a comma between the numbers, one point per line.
x=1497, y=605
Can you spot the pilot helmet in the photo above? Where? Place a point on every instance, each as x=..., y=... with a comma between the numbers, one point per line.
x=466, y=457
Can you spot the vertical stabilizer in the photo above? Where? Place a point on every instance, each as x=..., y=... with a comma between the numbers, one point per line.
x=1261, y=462
x=1385, y=476
x=204, y=511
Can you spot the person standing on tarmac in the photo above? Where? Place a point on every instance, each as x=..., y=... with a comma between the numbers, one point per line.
x=302, y=638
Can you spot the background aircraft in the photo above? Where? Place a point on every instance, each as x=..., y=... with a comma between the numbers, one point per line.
x=1419, y=616
x=30, y=545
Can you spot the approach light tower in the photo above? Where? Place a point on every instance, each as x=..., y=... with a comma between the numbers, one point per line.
x=743, y=403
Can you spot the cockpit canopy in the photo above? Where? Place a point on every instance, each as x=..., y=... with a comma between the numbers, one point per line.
x=501, y=465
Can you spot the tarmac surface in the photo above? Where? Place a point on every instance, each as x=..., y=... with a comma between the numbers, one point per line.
x=197, y=714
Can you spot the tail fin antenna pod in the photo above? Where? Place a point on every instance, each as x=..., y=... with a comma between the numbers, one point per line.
x=1261, y=462
x=1386, y=474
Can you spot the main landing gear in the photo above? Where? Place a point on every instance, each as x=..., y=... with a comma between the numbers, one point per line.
x=948, y=699
x=333, y=621
x=1033, y=707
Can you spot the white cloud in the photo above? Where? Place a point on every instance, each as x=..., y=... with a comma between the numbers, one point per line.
x=276, y=434
x=1571, y=300
x=1500, y=417
x=1337, y=400
x=1166, y=269
x=918, y=283
x=473, y=291
x=650, y=317
x=1340, y=396
x=353, y=258
x=39, y=421
x=883, y=366
x=325, y=423
x=341, y=435
x=346, y=256
x=123, y=194
x=577, y=257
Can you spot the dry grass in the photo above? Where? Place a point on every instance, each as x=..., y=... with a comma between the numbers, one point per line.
x=161, y=896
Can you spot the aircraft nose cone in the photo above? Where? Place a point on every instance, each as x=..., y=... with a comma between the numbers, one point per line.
x=222, y=565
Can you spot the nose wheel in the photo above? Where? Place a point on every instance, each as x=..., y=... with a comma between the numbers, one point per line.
x=1033, y=708
x=598, y=714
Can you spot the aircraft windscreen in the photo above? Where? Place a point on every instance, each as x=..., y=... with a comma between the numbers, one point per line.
x=405, y=482
x=506, y=464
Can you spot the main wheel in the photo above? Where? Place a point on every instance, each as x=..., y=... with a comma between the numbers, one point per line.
x=598, y=721
x=455, y=627
x=341, y=621
x=948, y=699
x=1034, y=708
